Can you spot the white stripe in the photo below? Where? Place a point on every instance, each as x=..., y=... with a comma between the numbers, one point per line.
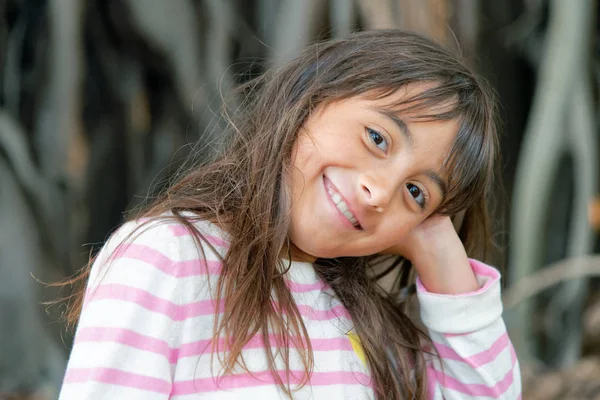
x=333, y=392
x=95, y=390
x=116, y=355
x=474, y=342
x=488, y=374
x=256, y=361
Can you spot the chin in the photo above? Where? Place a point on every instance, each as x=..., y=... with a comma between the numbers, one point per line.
x=317, y=251
x=314, y=250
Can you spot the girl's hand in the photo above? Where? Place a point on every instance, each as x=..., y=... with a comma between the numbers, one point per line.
x=438, y=256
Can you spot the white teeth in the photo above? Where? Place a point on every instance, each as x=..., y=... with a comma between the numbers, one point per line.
x=343, y=207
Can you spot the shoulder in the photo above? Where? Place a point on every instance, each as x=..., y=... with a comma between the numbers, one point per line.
x=167, y=230
x=147, y=281
x=162, y=250
x=169, y=236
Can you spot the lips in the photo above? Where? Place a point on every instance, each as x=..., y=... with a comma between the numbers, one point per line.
x=340, y=203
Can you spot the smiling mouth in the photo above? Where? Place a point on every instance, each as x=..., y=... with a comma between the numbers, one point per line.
x=341, y=205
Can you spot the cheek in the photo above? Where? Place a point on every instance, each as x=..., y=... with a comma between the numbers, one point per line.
x=303, y=165
x=304, y=154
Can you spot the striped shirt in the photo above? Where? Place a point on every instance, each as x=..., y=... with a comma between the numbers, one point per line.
x=147, y=323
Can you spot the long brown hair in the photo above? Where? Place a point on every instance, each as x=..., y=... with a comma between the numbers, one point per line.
x=245, y=191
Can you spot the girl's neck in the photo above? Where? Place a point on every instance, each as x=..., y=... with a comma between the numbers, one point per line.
x=295, y=254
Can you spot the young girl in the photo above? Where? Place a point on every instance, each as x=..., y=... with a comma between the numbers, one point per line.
x=252, y=276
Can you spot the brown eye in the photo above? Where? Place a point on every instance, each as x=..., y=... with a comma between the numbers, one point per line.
x=416, y=194
x=378, y=139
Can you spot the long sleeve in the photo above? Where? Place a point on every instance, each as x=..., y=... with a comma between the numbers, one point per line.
x=476, y=358
x=126, y=343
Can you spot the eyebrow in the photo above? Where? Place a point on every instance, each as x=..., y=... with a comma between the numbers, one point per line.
x=437, y=179
x=402, y=127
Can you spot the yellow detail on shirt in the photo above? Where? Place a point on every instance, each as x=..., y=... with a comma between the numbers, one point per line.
x=357, y=346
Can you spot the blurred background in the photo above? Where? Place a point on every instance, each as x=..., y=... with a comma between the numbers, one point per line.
x=101, y=99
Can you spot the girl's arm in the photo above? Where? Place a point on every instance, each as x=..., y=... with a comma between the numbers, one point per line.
x=126, y=341
x=462, y=309
x=477, y=359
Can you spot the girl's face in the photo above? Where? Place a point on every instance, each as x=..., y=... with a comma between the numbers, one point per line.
x=363, y=177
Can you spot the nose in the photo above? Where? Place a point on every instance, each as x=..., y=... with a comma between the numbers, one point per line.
x=376, y=190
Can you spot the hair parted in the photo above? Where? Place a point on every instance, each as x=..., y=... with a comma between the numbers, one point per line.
x=245, y=191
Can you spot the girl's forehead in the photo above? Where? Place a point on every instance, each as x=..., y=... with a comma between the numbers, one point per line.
x=411, y=101
x=397, y=108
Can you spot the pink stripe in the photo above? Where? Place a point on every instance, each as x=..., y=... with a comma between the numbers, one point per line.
x=323, y=315
x=182, y=230
x=476, y=360
x=431, y=382
x=472, y=389
x=147, y=300
x=136, y=340
x=128, y=338
x=203, y=346
x=113, y=376
x=482, y=269
x=339, y=343
x=449, y=335
x=176, y=312
x=163, y=263
x=265, y=378
x=196, y=267
x=297, y=287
